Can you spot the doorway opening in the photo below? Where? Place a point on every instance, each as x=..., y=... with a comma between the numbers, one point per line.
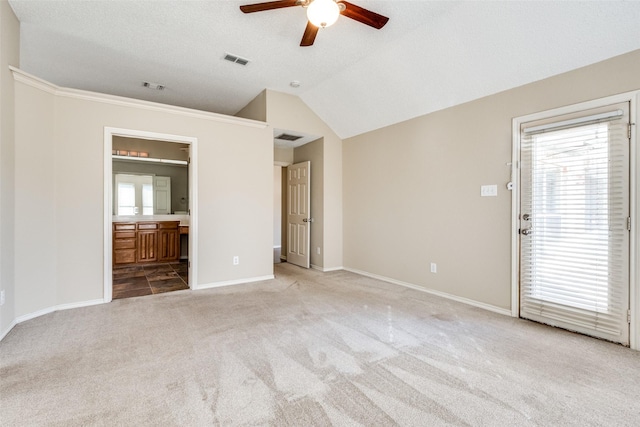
x=150, y=222
x=296, y=147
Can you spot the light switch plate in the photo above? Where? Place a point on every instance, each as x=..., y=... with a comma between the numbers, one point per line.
x=488, y=190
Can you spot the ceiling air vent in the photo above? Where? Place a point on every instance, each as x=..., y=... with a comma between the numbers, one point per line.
x=287, y=137
x=236, y=59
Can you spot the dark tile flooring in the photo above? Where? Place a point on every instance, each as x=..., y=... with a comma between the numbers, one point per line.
x=138, y=280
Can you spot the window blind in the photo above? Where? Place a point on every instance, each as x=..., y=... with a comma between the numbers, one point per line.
x=574, y=239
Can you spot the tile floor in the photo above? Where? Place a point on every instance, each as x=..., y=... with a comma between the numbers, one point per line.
x=138, y=280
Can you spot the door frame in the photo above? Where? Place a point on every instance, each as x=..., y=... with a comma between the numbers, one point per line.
x=109, y=133
x=634, y=202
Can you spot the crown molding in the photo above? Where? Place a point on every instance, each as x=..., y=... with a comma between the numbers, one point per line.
x=38, y=83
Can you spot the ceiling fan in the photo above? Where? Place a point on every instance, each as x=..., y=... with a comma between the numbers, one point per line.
x=321, y=14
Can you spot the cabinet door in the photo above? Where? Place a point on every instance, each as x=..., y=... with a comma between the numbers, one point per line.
x=169, y=245
x=147, y=246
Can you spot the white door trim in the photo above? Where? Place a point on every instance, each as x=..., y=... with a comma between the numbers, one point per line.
x=109, y=133
x=634, y=202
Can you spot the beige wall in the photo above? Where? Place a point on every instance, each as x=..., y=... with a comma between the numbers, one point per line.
x=256, y=109
x=35, y=201
x=283, y=155
x=313, y=152
x=412, y=190
x=290, y=112
x=9, y=55
x=60, y=226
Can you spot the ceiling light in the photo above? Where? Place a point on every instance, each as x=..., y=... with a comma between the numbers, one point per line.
x=154, y=86
x=323, y=13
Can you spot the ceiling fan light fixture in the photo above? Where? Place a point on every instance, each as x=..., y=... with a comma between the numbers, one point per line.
x=323, y=13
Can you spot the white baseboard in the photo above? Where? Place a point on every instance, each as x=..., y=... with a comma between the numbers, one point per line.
x=4, y=334
x=325, y=270
x=234, y=282
x=489, y=307
x=48, y=310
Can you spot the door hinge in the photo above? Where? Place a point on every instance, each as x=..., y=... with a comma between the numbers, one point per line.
x=628, y=316
x=628, y=223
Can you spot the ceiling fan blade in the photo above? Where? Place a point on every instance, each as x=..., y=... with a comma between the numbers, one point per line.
x=309, y=35
x=269, y=5
x=363, y=15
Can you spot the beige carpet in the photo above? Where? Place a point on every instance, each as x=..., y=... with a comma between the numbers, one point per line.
x=309, y=348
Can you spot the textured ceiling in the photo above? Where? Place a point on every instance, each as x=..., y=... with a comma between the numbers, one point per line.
x=431, y=54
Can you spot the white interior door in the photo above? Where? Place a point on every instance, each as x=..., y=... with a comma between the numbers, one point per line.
x=162, y=195
x=298, y=213
x=574, y=222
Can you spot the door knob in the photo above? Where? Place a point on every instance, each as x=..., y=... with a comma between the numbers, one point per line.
x=527, y=231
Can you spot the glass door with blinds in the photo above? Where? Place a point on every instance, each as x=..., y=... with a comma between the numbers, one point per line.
x=574, y=222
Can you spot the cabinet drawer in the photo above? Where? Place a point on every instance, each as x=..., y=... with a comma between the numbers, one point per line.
x=124, y=243
x=124, y=235
x=169, y=224
x=147, y=226
x=120, y=226
x=124, y=256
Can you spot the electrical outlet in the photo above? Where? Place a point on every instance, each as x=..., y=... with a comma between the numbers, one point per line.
x=2, y=297
x=489, y=190
x=236, y=260
x=434, y=267
x=318, y=250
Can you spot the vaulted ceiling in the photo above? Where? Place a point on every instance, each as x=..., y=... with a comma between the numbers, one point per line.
x=431, y=54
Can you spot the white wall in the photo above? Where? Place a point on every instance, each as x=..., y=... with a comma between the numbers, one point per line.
x=60, y=226
x=9, y=55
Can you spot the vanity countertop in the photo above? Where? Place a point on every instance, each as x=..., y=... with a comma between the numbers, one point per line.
x=184, y=219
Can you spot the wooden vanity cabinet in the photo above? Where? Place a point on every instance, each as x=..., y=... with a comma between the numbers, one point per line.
x=145, y=242
x=124, y=243
x=147, y=233
x=168, y=242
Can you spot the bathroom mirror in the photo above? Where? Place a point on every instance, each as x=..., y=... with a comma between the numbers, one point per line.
x=149, y=177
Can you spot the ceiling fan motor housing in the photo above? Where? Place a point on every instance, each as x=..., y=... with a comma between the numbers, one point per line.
x=321, y=14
